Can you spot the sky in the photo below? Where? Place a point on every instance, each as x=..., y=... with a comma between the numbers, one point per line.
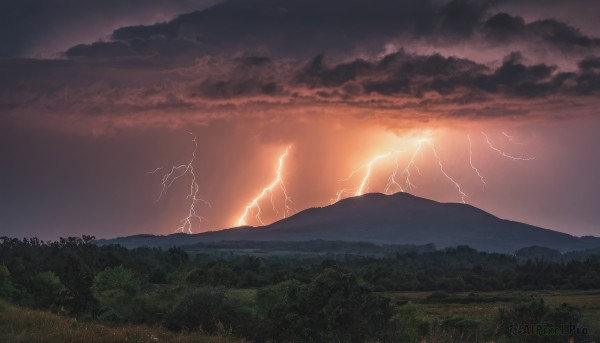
x=130, y=117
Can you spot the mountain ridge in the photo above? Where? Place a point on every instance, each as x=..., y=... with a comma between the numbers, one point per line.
x=399, y=218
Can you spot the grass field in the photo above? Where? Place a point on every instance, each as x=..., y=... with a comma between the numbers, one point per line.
x=19, y=325
x=486, y=311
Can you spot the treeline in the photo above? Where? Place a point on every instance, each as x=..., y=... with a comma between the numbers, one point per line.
x=317, y=298
x=317, y=246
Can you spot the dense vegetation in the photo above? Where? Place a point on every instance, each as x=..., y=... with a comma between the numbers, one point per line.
x=332, y=297
x=21, y=325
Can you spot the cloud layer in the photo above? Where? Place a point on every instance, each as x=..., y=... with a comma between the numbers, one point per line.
x=303, y=29
x=44, y=28
x=113, y=94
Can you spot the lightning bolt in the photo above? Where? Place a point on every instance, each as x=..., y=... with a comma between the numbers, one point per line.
x=392, y=182
x=278, y=181
x=364, y=181
x=471, y=161
x=512, y=139
x=393, y=178
x=489, y=143
x=173, y=175
x=407, y=183
x=462, y=194
x=411, y=164
x=155, y=170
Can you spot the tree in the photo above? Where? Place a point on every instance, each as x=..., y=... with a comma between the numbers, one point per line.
x=47, y=290
x=4, y=274
x=335, y=307
x=209, y=309
x=279, y=312
x=466, y=329
x=177, y=256
x=537, y=312
x=10, y=291
x=409, y=324
x=115, y=289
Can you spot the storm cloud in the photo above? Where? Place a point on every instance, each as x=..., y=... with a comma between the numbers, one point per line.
x=117, y=95
x=33, y=28
x=302, y=29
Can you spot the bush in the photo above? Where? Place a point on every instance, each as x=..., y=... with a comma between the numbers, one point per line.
x=115, y=289
x=47, y=290
x=157, y=276
x=438, y=296
x=409, y=324
x=537, y=312
x=335, y=306
x=12, y=292
x=209, y=310
x=463, y=327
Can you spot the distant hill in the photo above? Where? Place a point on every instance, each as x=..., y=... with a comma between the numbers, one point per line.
x=400, y=218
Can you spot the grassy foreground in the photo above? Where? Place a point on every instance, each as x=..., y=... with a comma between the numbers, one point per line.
x=485, y=309
x=20, y=325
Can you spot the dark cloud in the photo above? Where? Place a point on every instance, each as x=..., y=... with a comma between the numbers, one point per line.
x=589, y=64
x=161, y=52
x=579, y=13
x=226, y=90
x=34, y=27
x=293, y=28
x=505, y=27
x=415, y=75
x=462, y=17
x=302, y=29
x=515, y=78
x=587, y=81
x=317, y=74
x=101, y=50
x=249, y=54
x=213, y=87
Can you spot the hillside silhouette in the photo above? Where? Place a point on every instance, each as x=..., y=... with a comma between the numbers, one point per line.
x=400, y=218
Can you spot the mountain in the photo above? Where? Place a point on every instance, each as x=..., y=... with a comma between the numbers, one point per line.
x=399, y=218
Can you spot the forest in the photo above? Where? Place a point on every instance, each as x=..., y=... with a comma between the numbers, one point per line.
x=335, y=297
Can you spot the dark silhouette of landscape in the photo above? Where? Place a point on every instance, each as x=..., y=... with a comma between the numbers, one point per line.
x=400, y=219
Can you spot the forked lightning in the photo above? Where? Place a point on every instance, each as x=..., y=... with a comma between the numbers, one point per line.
x=175, y=174
x=255, y=203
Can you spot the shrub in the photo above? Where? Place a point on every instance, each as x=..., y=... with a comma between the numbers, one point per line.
x=207, y=309
x=409, y=324
x=47, y=290
x=537, y=312
x=115, y=289
x=335, y=306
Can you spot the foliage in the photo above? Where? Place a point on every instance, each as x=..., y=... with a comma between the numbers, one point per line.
x=47, y=290
x=536, y=311
x=11, y=291
x=465, y=328
x=115, y=288
x=409, y=324
x=19, y=325
x=335, y=306
x=322, y=296
x=209, y=310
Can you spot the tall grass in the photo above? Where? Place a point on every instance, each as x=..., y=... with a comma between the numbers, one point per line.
x=20, y=325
